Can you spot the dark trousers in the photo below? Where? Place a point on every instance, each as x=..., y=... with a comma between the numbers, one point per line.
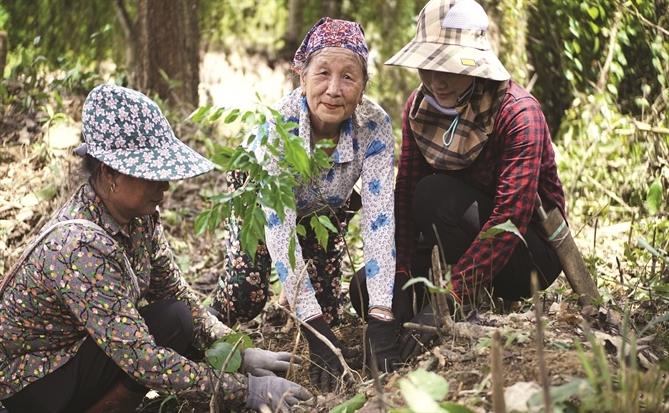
x=459, y=212
x=87, y=376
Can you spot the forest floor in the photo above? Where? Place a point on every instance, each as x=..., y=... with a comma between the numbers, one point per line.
x=38, y=173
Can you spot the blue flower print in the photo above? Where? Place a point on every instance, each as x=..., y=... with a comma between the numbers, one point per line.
x=263, y=130
x=387, y=118
x=303, y=103
x=336, y=156
x=393, y=253
x=301, y=203
x=347, y=126
x=281, y=271
x=330, y=175
x=335, y=200
x=374, y=148
x=371, y=268
x=273, y=220
x=371, y=125
x=380, y=222
x=375, y=187
x=356, y=145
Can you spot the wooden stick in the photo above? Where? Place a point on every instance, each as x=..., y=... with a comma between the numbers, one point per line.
x=543, y=373
x=460, y=329
x=496, y=371
x=442, y=310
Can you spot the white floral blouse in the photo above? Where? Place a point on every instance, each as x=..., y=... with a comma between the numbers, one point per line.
x=364, y=151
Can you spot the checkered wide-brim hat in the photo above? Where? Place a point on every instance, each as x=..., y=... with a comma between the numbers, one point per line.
x=451, y=36
x=127, y=131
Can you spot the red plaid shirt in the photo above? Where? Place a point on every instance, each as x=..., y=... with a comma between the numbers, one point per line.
x=517, y=161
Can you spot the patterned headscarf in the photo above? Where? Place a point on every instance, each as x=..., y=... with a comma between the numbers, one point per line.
x=331, y=33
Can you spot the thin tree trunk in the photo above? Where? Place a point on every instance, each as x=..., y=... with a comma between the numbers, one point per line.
x=129, y=31
x=3, y=53
x=168, y=50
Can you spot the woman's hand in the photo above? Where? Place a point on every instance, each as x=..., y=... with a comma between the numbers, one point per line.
x=380, y=344
x=259, y=362
x=326, y=369
x=277, y=393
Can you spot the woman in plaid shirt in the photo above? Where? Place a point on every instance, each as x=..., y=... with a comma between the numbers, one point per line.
x=476, y=151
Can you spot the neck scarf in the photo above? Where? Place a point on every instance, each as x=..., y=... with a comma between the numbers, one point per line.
x=454, y=142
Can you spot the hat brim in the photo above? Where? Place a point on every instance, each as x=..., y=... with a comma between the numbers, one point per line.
x=166, y=163
x=450, y=59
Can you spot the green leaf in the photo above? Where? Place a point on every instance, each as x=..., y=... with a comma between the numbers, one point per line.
x=232, y=116
x=216, y=115
x=432, y=383
x=418, y=399
x=654, y=197
x=578, y=387
x=593, y=12
x=301, y=230
x=641, y=242
x=319, y=229
x=291, y=251
x=455, y=408
x=47, y=192
x=200, y=113
x=218, y=353
x=654, y=321
x=327, y=223
x=201, y=222
x=350, y=405
x=430, y=287
x=507, y=226
x=233, y=338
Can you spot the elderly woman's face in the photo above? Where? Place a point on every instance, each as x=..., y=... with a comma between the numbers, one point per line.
x=136, y=197
x=446, y=87
x=333, y=84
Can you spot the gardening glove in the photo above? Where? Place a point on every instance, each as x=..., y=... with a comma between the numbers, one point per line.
x=411, y=342
x=259, y=362
x=403, y=300
x=380, y=344
x=275, y=392
x=326, y=369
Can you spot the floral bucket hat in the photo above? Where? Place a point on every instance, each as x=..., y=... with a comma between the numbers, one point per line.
x=126, y=130
x=451, y=36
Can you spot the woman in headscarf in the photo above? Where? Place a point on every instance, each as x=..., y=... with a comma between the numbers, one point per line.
x=476, y=152
x=329, y=105
x=96, y=312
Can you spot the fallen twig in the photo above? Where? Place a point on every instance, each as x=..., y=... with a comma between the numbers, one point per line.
x=460, y=329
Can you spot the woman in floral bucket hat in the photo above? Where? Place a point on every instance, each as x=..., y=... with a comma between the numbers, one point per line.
x=476, y=151
x=96, y=312
x=329, y=105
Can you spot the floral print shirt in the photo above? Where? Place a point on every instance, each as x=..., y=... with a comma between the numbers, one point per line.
x=73, y=285
x=364, y=151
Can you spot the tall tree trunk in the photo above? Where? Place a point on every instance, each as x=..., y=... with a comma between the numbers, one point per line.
x=3, y=53
x=332, y=8
x=129, y=31
x=168, y=42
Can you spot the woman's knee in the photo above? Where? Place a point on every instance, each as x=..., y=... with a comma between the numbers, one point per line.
x=170, y=322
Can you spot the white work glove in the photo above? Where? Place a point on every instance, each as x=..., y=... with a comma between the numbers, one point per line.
x=259, y=362
x=275, y=392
